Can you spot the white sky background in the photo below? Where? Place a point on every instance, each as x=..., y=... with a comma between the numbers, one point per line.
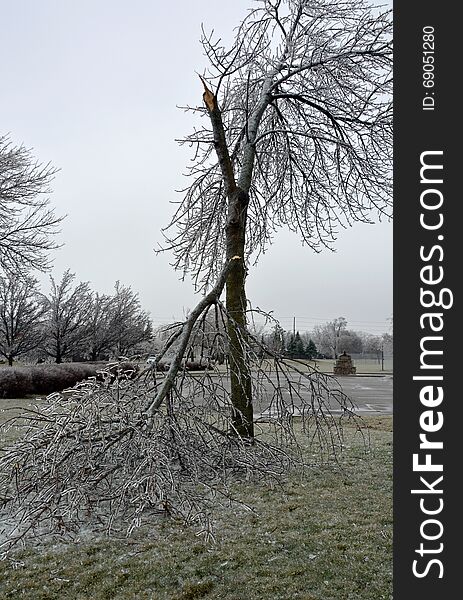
x=92, y=86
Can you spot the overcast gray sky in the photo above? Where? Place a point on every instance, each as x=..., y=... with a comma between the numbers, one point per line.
x=92, y=86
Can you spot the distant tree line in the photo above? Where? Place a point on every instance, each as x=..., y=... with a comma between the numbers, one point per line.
x=74, y=323
x=69, y=323
x=325, y=341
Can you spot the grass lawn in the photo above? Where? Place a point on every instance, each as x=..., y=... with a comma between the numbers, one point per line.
x=327, y=537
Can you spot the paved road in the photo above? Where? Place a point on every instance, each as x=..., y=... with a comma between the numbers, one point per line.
x=371, y=395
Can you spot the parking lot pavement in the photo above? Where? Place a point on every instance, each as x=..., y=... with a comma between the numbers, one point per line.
x=370, y=395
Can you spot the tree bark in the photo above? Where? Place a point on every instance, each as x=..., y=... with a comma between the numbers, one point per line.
x=58, y=356
x=242, y=418
x=242, y=422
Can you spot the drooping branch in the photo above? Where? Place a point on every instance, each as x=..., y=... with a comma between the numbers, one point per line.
x=92, y=456
x=185, y=335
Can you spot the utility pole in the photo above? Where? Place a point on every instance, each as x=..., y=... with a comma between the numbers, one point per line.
x=294, y=327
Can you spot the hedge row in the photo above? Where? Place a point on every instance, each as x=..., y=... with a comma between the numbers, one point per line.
x=17, y=382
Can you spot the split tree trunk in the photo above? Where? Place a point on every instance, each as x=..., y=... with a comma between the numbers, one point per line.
x=242, y=419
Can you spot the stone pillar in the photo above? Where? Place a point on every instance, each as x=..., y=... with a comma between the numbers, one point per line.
x=344, y=365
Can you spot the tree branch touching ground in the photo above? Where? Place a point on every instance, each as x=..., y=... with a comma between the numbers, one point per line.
x=105, y=456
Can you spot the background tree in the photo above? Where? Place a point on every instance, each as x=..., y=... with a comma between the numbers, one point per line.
x=101, y=334
x=328, y=335
x=21, y=316
x=350, y=342
x=299, y=135
x=68, y=309
x=27, y=223
x=311, y=351
x=276, y=339
x=371, y=344
x=290, y=346
x=387, y=343
x=129, y=324
x=295, y=348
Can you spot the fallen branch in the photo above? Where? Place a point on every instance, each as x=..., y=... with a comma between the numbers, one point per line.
x=185, y=334
x=106, y=455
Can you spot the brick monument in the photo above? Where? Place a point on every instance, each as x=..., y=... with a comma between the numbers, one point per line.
x=344, y=365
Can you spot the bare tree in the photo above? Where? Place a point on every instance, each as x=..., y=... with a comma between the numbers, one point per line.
x=27, y=223
x=116, y=324
x=388, y=343
x=101, y=331
x=328, y=335
x=68, y=311
x=350, y=341
x=276, y=339
x=21, y=316
x=297, y=134
x=129, y=325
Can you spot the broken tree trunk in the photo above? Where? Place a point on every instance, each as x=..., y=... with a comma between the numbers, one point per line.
x=242, y=418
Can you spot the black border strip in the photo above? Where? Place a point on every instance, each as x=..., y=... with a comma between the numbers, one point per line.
x=417, y=131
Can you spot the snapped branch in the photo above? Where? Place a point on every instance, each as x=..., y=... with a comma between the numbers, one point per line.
x=186, y=331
